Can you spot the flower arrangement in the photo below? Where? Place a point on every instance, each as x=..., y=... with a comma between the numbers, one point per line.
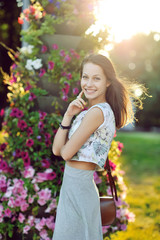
x=30, y=175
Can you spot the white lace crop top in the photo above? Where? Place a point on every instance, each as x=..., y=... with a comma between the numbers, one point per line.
x=96, y=148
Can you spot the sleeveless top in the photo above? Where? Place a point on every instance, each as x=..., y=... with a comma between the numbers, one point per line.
x=96, y=148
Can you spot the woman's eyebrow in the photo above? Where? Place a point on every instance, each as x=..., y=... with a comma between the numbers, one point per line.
x=93, y=75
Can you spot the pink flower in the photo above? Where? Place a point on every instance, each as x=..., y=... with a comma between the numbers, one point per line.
x=24, y=206
x=97, y=179
x=75, y=91
x=21, y=124
x=51, y=65
x=29, y=131
x=2, y=112
x=28, y=87
x=44, y=49
x=14, y=66
x=65, y=90
x=44, y=196
x=50, y=222
x=45, y=163
x=21, y=218
x=44, y=234
x=120, y=146
x=7, y=213
x=29, y=142
x=51, y=206
x=112, y=165
x=24, y=155
x=32, y=96
x=3, y=147
x=14, y=112
x=105, y=229
x=3, y=165
x=42, y=115
x=69, y=76
x=62, y=53
x=42, y=72
x=48, y=142
x=130, y=216
x=30, y=199
x=30, y=221
x=27, y=162
x=29, y=172
x=54, y=46
x=26, y=229
x=51, y=176
x=67, y=58
x=40, y=125
x=123, y=227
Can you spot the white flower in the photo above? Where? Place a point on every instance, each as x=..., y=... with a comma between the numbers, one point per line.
x=29, y=65
x=37, y=63
x=27, y=49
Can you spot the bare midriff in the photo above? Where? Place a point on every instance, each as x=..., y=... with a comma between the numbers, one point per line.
x=81, y=165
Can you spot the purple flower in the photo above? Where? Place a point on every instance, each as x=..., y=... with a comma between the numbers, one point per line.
x=54, y=46
x=51, y=176
x=28, y=87
x=27, y=162
x=39, y=137
x=2, y=112
x=7, y=213
x=19, y=114
x=69, y=76
x=29, y=142
x=13, y=80
x=21, y=124
x=3, y=147
x=51, y=65
x=42, y=115
x=14, y=66
x=66, y=89
x=29, y=131
x=63, y=74
x=65, y=98
x=32, y=96
x=47, y=135
x=67, y=58
x=45, y=163
x=44, y=49
x=42, y=72
x=40, y=125
x=14, y=112
x=24, y=155
x=57, y=4
x=62, y=53
x=75, y=91
x=3, y=165
x=48, y=142
x=18, y=153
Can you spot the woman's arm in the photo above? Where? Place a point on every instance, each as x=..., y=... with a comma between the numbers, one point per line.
x=61, y=136
x=92, y=120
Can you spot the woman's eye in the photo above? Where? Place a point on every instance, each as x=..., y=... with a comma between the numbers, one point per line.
x=84, y=77
x=97, y=78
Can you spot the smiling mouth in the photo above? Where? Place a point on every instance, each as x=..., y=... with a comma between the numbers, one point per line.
x=90, y=90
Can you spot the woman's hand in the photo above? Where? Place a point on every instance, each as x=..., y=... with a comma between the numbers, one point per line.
x=76, y=105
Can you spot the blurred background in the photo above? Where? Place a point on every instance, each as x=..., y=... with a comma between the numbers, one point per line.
x=134, y=47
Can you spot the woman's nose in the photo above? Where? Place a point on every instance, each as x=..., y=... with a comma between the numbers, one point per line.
x=89, y=82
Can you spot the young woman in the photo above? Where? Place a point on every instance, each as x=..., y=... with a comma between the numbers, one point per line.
x=84, y=145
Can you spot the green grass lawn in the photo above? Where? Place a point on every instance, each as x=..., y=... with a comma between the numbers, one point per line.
x=141, y=161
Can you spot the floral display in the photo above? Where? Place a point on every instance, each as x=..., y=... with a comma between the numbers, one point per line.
x=30, y=175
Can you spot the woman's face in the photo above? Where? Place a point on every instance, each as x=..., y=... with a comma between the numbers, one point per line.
x=94, y=83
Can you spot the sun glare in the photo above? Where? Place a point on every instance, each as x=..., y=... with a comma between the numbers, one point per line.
x=128, y=17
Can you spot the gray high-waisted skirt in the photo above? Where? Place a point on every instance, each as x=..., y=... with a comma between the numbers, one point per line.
x=78, y=211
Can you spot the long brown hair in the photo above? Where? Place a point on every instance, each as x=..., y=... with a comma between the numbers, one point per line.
x=120, y=94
